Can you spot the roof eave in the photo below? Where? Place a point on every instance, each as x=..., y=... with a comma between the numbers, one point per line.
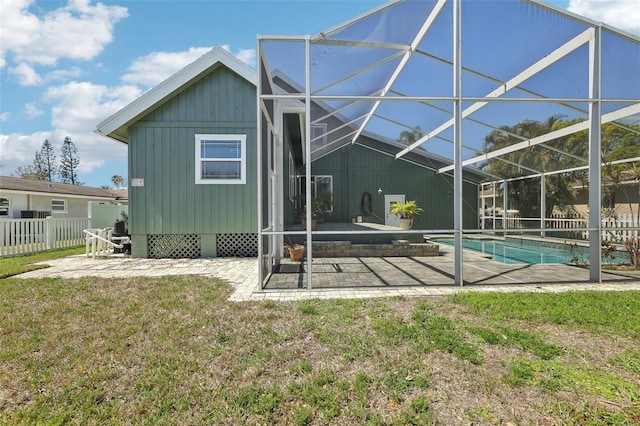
x=115, y=126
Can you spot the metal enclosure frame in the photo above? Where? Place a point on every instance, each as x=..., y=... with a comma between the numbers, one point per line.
x=464, y=109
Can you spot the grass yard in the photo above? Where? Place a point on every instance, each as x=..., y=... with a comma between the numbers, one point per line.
x=13, y=265
x=175, y=351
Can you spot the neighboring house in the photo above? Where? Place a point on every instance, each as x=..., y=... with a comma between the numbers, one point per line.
x=193, y=166
x=26, y=198
x=623, y=199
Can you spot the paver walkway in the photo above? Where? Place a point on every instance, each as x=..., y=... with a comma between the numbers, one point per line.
x=242, y=274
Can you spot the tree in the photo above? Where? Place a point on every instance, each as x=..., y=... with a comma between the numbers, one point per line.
x=69, y=162
x=105, y=187
x=408, y=137
x=26, y=172
x=45, y=162
x=118, y=181
x=524, y=194
x=618, y=142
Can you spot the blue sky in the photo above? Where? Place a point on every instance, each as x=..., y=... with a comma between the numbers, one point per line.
x=67, y=65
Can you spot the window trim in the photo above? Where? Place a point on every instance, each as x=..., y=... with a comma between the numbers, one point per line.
x=314, y=186
x=64, y=206
x=318, y=142
x=8, y=207
x=200, y=137
x=293, y=179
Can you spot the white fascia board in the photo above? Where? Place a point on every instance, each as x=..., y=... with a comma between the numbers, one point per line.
x=217, y=55
x=56, y=195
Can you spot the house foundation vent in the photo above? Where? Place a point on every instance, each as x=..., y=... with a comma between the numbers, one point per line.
x=237, y=245
x=174, y=246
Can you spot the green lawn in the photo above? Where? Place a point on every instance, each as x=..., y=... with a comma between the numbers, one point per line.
x=174, y=351
x=14, y=265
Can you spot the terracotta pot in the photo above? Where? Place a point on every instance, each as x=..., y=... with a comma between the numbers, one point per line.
x=314, y=222
x=296, y=252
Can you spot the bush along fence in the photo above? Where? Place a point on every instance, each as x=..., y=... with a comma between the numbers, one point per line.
x=22, y=236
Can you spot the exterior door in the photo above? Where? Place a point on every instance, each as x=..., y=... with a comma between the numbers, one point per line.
x=392, y=219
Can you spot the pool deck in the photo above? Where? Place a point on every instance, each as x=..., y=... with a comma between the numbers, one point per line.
x=339, y=278
x=431, y=272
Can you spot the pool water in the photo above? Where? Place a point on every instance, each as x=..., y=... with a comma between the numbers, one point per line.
x=520, y=251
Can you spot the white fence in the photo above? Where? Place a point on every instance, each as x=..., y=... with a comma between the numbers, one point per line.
x=620, y=228
x=614, y=229
x=21, y=236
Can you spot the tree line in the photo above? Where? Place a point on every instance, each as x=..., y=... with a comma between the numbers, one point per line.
x=618, y=142
x=45, y=167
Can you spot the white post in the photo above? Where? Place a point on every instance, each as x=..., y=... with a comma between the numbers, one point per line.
x=48, y=233
x=493, y=214
x=505, y=201
x=457, y=139
x=261, y=248
x=307, y=130
x=543, y=204
x=595, y=172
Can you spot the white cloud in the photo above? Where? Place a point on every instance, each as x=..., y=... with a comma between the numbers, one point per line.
x=156, y=67
x=248, y=56
x=19, y=150
x=623, y=14
x=77, y=108
x=26, y=75
x=5, y=116
x=58, y=75
x=32, y=111
x=78, y=30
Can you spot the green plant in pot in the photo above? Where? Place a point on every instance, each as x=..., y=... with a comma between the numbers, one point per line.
x=319, y=205
x=406, y=212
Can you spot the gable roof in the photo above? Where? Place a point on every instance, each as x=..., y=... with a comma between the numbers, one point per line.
x=13, y=184
x=116, y=126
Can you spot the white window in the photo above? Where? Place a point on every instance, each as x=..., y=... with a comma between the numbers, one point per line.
x=318, y=135
x=319, y=185
x=221, y=159
x=58, y=206
x=4, y=206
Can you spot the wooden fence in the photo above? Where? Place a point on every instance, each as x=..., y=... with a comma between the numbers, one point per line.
x=22, y=236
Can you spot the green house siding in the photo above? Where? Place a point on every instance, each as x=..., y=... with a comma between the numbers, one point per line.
x=162, y=152
x=357, y=170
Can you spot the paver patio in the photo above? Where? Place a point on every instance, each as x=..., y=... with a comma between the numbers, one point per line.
x=351, y=277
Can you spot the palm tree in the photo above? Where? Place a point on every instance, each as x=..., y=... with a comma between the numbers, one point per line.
x=525, y=194
x=118, y=181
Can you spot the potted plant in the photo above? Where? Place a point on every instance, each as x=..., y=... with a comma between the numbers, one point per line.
x=407, y=212
x=319, y=205
x=296, y=251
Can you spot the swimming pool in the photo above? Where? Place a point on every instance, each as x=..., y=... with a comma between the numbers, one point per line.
x=518, y=250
